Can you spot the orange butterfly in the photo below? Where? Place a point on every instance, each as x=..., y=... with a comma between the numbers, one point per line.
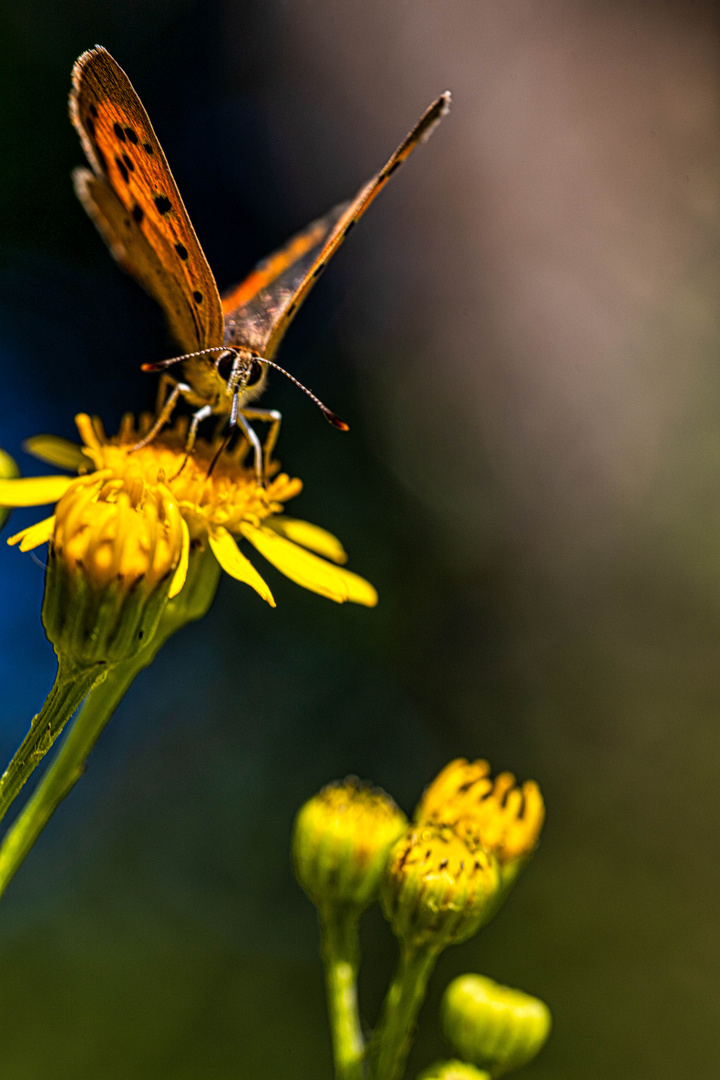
x=132, y=198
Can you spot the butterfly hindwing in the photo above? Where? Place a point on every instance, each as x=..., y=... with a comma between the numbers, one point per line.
x=132, y=198
x=259, y=311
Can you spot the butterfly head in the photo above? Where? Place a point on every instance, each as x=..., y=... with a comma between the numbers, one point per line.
x=242, y=371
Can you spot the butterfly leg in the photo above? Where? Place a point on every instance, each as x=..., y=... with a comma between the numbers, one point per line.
x=197, y=419
x=163, y=383
x=273, y=418
x=252, y=438
x=237, y=421
x=164, y=415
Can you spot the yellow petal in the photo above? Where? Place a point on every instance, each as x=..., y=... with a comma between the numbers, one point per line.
x=57, y=451
x=234, y=562
x=309, y=536
x=34, y=490
x=87, y=431
x=182, y=567
x=34, y=535
x=8, y=468
x=308, y=570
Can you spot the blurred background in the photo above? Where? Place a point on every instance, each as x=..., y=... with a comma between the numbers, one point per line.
x=524, y=337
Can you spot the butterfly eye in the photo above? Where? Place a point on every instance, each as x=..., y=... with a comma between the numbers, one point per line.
x=225, y=364
x=256, y=373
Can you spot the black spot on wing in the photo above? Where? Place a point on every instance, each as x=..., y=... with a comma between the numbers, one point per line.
x=163, y=204
x=138, y=213
x=90, y=125
x=181, y=249
x=148, y=148
x=121, y=168
x=128, y=163
x=130, y=132
x=119, y=131
x=93, y=111
x=197, y=297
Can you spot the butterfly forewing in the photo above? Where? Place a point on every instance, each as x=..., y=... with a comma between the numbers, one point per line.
x=135, y=204
x=266, y=302
x=255, y=307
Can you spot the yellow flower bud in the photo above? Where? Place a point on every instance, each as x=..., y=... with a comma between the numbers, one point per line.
x=341, y=841
x=493, y=1026
x=453, y=1070
x=495, y=815
x=436, y=891
x=114, y=549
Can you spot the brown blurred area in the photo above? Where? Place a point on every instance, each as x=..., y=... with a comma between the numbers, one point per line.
x=543, y=376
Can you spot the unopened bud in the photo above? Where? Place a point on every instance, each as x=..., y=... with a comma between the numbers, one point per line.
x=341, y=842
x=436, y=891
x=493, y=1026
x=453, y=1070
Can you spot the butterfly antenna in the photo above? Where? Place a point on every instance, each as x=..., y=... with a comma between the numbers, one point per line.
x=327, y=413
x=160, y=365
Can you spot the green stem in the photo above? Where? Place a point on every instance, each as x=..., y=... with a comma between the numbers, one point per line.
x=71, y=685
x=101, y=703
x=393, y=1037
x=68, y=766
x=341, y=957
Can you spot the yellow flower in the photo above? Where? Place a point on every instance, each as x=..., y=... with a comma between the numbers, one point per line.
x=497, y=816
x=138, y=513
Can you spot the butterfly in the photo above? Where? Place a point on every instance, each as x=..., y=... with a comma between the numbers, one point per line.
x=228, y=343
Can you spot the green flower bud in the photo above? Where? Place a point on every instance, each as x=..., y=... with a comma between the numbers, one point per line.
x=341, y=841
x=453, y=1070
x=436, y=891
x=493, y=1026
